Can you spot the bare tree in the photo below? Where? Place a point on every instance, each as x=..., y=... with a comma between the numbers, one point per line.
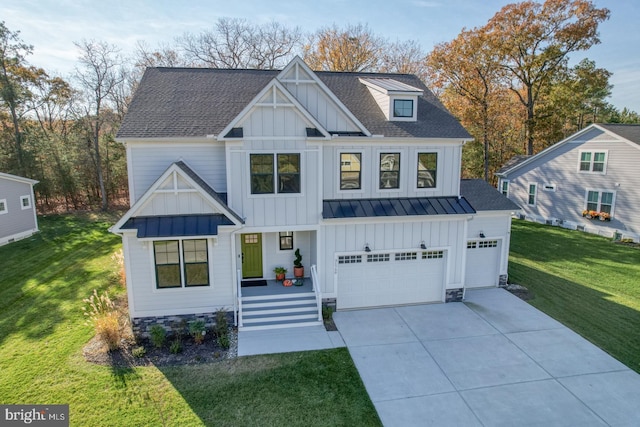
x=99, y=77
x=406, y=57
x=235, y=43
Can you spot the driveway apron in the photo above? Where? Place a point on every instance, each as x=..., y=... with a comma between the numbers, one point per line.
x=492, y=360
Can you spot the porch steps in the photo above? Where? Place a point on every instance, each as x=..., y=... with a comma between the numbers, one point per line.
x=279, y=311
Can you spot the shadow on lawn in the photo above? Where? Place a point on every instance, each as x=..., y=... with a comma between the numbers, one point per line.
x=44, y=273
x=589, y=312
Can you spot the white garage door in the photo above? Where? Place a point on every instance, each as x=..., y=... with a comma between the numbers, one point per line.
x=379, y=279
x=483, y=263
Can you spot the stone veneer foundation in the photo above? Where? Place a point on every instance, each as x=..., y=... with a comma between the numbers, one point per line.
x=141, y=325
x=453, y=295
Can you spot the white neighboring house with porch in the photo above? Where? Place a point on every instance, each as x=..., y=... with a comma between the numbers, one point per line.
x=18, y=217
x=231, y=171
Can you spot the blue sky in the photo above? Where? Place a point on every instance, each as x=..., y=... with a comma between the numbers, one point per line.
x=52, y=26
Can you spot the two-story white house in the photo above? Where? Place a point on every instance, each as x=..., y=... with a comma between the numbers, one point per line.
x=231, y=171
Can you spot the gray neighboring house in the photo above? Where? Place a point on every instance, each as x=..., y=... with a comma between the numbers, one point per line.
x=18, y=218
x=594, y=170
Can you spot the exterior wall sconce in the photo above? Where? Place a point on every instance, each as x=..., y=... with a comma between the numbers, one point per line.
x=367, y=248
x=422, y=245
x=482, y=235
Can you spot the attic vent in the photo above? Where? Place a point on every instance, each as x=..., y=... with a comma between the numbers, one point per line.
x=234, y=133
x=313, y=133
x=340, y=133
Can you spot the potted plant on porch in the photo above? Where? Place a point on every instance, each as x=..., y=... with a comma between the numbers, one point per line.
x=298, y=268
x=280, y=273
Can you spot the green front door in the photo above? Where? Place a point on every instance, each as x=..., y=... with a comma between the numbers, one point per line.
x=251, y=255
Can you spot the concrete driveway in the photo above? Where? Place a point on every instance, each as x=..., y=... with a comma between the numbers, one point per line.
x=491, y=361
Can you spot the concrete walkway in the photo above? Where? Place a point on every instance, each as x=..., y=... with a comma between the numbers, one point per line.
x=287, y=340
x=493, y=360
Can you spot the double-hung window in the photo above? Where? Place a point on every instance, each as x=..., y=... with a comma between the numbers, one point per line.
x=25, y=202
x=389, y=171
x=427, y=170
x=533, y=192
x=3, y=206
x=286, y=240
x=504, y=187
x=275, y=173
x=593, y=161
x=600, y=201
x=350, y=171
x=181, y=263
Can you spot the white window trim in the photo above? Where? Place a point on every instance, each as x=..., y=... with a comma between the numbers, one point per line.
x=182, y=288
x=502, y=182
x=600, y=191
x=28, y=198
x=414, y=168
x=6, y=208
x=403, y=162
x=413, y=99
x=362, y=170
x=535, y=194
x=593, y=152
x=250, y=195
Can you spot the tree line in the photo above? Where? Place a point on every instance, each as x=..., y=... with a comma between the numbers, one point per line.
x=509, y=82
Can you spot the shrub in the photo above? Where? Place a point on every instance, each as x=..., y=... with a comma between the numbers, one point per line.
x=118, y=259
x=176, y=346
x=327, y=313
x=139, y=352
x=158, y=335
x=222, y=326
x=102, y=314
x=197, y=331
x=223, y=341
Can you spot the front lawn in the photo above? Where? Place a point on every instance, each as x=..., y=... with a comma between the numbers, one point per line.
x=587, y=282
x=43, y=280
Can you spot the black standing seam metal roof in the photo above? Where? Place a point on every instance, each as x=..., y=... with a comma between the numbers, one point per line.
x=177, y=225
x=403, y=206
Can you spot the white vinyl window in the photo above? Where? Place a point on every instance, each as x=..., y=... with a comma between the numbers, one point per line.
x=532, y=195
x=593, y=161
x=504, y=187
x=25, y=202
x=600, y=201
x=3, y=206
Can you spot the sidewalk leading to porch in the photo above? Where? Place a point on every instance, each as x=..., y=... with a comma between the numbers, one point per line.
x=287, y=340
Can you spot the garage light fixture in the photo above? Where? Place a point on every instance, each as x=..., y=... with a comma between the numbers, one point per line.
x=482, y=234
x=422, y=245
x=367, y=248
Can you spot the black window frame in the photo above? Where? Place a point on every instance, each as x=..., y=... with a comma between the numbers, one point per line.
x=345, y=173
x=286, y=240
x=432, y=172
x=181, y=269
x=389, y=174
x=400, y=111
x=288, y=181
x=262, y=181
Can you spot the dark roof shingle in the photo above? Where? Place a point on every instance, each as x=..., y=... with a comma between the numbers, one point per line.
x=483, y=197
x=195, y=102
x=628, y=131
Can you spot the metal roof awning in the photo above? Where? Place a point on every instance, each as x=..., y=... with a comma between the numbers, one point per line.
x=177, y=225
x=366, y=208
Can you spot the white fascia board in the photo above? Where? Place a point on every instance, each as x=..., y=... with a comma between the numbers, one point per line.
x=18, y=178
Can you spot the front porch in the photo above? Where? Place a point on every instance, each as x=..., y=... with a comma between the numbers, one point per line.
x=275, y=306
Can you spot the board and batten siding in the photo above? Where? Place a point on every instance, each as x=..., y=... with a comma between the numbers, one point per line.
x=560, y=167
x=149, y=301
x=389, y=236
x=447, y=179
x=16, y=222
x=494, y=225
x=147, y=161
x=321, y=107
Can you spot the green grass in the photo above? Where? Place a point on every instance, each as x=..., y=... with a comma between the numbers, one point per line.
x=587, y=282
x=43, y=280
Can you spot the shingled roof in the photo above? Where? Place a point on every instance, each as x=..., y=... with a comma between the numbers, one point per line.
x=483, y=197
x=196, y=102
x=627, y=131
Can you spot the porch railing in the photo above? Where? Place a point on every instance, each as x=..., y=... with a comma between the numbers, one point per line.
x=238, y=299
x=315, y=283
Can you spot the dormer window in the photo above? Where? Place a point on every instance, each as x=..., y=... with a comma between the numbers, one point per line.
x=402, y=108
x=397, y=100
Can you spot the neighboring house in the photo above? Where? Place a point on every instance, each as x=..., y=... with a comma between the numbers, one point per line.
x=231, y=171
x=18, y=218
x=589, y=181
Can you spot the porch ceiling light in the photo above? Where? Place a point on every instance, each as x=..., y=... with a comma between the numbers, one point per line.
x=367, y=248
x=482, y=235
